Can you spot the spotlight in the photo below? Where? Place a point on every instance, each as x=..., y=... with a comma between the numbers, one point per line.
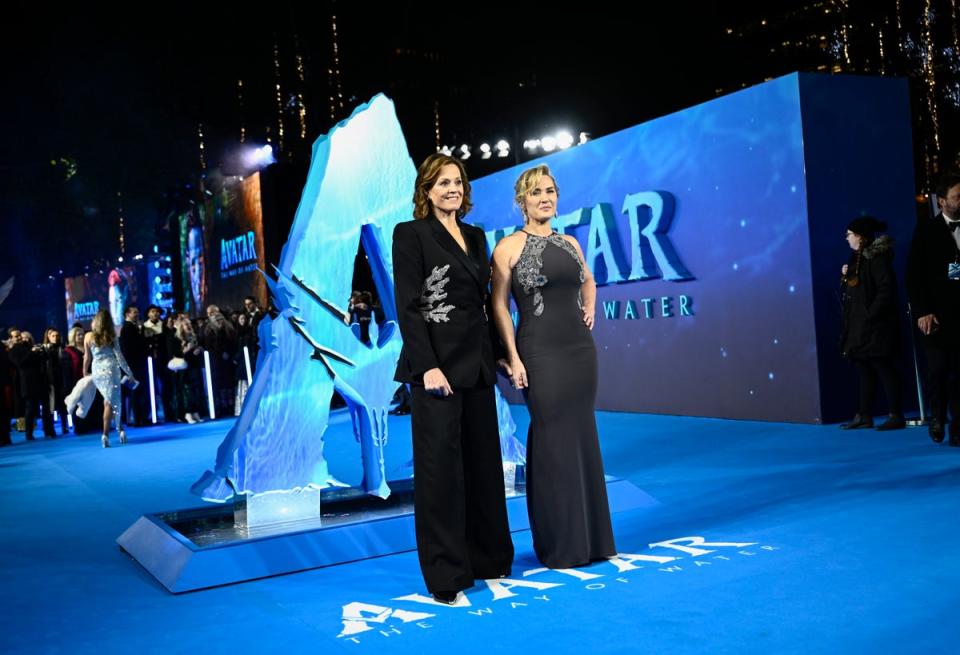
x=564, y=140
x=531, y=144
x=257, y=158
x=548, y=143
x=584, y=137
x=464, y=152
x=485, y=150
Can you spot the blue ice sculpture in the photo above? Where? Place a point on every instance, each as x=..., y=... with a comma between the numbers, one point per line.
x=511, y=450
x=358, y=188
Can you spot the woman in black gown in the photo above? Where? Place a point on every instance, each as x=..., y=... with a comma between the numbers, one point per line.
x=554, y=360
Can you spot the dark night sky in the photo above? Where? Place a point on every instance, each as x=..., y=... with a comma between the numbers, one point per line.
x=122, y=95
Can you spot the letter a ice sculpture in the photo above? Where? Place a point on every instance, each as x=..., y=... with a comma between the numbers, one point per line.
x=358, y=188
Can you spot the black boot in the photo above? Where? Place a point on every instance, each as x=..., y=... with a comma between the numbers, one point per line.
x=955, y=433
x=858, y=422
x=893, y=422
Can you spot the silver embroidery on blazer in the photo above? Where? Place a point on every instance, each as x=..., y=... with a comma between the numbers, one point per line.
x=430, y=305
x=530, y=264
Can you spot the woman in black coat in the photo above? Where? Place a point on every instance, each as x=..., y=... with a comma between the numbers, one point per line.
x=441, y=277
x=29, y=360
x=870, y=333
x=53, y=400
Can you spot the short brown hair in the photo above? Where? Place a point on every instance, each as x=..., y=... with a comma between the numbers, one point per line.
x=427, y=176
x=946, y=182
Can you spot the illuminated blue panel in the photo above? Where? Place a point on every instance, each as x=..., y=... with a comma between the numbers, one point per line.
x=698, y=226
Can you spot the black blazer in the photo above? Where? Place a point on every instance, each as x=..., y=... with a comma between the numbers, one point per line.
x=929, y=289
x=443, y=303
x=133, y=346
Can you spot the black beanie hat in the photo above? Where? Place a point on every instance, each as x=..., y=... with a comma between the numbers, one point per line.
x=866, y=226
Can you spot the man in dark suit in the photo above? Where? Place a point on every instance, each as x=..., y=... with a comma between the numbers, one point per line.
x=6, y=395
x=155, y=341
x=134, y=350
x=933, y=285
x=250, y=339
x=441, y=276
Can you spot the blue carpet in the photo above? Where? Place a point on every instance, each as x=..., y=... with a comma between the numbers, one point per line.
x=851, y=551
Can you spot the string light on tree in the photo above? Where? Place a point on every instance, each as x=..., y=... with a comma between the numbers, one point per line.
x=123, y=244
x=276, y=71
x=243, y=127
x=336, y=99
x=931, y=80
x=844, y=5
x=302, y=78
x=880, y=39
x=203, y=153
x=955, y=22
x=436, y=123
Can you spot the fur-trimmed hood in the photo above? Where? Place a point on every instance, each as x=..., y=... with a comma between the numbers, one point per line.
x=882, y=245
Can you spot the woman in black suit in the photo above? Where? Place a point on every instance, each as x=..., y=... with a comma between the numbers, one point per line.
x=441, y=275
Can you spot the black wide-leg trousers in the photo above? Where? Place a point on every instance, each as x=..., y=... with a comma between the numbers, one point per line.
x=459, y=499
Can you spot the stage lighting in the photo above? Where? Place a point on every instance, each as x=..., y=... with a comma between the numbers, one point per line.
x=503, y=148
x=548, y=143
x=464, y=152
x=564, y=140
x=257, y=158
x=485, y=151
x=531, y=144
x=584, y=137
x=447, y=150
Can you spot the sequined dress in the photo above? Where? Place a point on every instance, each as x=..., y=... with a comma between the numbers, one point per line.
x=566, y=490
x=108, y=362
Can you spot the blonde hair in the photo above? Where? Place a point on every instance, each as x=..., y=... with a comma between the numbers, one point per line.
x=104, y=333
x=427, y=176
x=528, y=181
x=72, y=334
x=181, y=325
